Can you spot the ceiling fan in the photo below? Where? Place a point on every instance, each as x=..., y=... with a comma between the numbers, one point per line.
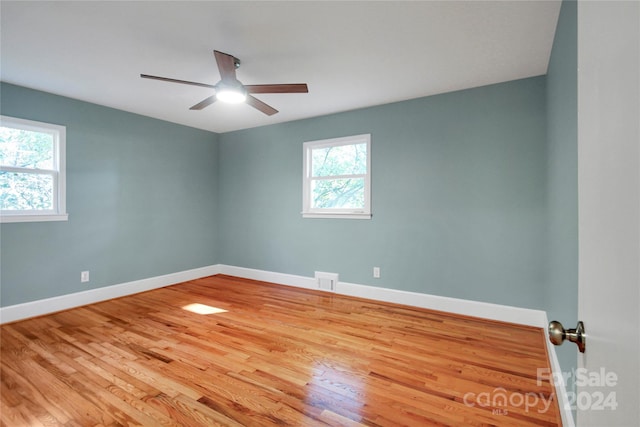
x=229, y=89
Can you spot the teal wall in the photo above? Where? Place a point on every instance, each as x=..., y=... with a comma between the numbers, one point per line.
x=459, y=193
x=562, y=188
x=141, y=197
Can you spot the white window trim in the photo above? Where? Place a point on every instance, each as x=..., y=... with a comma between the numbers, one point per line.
x=59, y=212
x=307, y=211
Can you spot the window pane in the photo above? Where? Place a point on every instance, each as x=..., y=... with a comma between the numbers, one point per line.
x=339, y=160
x=26, y=149
x=25, y=191
x=337, y=193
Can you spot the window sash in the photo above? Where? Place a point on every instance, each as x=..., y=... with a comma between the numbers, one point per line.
x=18, y=169
x=332, y=177
x=54, y=195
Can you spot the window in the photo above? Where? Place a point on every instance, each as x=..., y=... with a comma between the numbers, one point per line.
x=337, y=178
x=32, y=171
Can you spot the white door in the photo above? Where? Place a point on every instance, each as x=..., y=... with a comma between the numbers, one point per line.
x=608, y=375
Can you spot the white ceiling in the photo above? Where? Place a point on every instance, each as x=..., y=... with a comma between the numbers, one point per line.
x=351, y=54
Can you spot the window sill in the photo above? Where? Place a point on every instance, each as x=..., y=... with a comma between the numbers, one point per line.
x=33, y=218
x=336, y=215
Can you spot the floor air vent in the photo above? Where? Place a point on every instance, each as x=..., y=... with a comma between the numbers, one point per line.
x=326, y=281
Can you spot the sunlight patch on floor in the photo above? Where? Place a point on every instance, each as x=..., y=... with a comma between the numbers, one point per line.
x=203, y=309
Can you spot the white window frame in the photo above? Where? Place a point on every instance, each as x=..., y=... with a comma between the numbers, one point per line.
x=59, y=134
x=307, y=210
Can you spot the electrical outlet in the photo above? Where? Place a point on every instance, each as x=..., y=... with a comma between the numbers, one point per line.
x=376, y=272
x=84, y=276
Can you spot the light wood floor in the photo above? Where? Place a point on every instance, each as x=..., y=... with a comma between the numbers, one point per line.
x=277, y=356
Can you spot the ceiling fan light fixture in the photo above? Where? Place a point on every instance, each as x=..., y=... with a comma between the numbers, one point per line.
x=230, y=90
x=231, y=94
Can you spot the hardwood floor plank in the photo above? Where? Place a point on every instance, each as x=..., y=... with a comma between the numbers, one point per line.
x=187, y=412
x=277, y=356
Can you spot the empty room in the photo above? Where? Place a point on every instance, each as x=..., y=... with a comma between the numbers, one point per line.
x=309, y=213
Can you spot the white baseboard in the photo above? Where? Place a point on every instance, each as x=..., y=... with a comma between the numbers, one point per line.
x=504, y=313
x=268, y=276
x=485, y=310
x=64, y=302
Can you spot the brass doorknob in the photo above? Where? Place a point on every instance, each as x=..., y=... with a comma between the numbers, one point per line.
x=557, y=334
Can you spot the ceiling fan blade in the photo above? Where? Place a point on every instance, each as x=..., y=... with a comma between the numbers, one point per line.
x=226, y=65
x=184, y=82
x=280, y=88
x=259, y=105
x=204, y=103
